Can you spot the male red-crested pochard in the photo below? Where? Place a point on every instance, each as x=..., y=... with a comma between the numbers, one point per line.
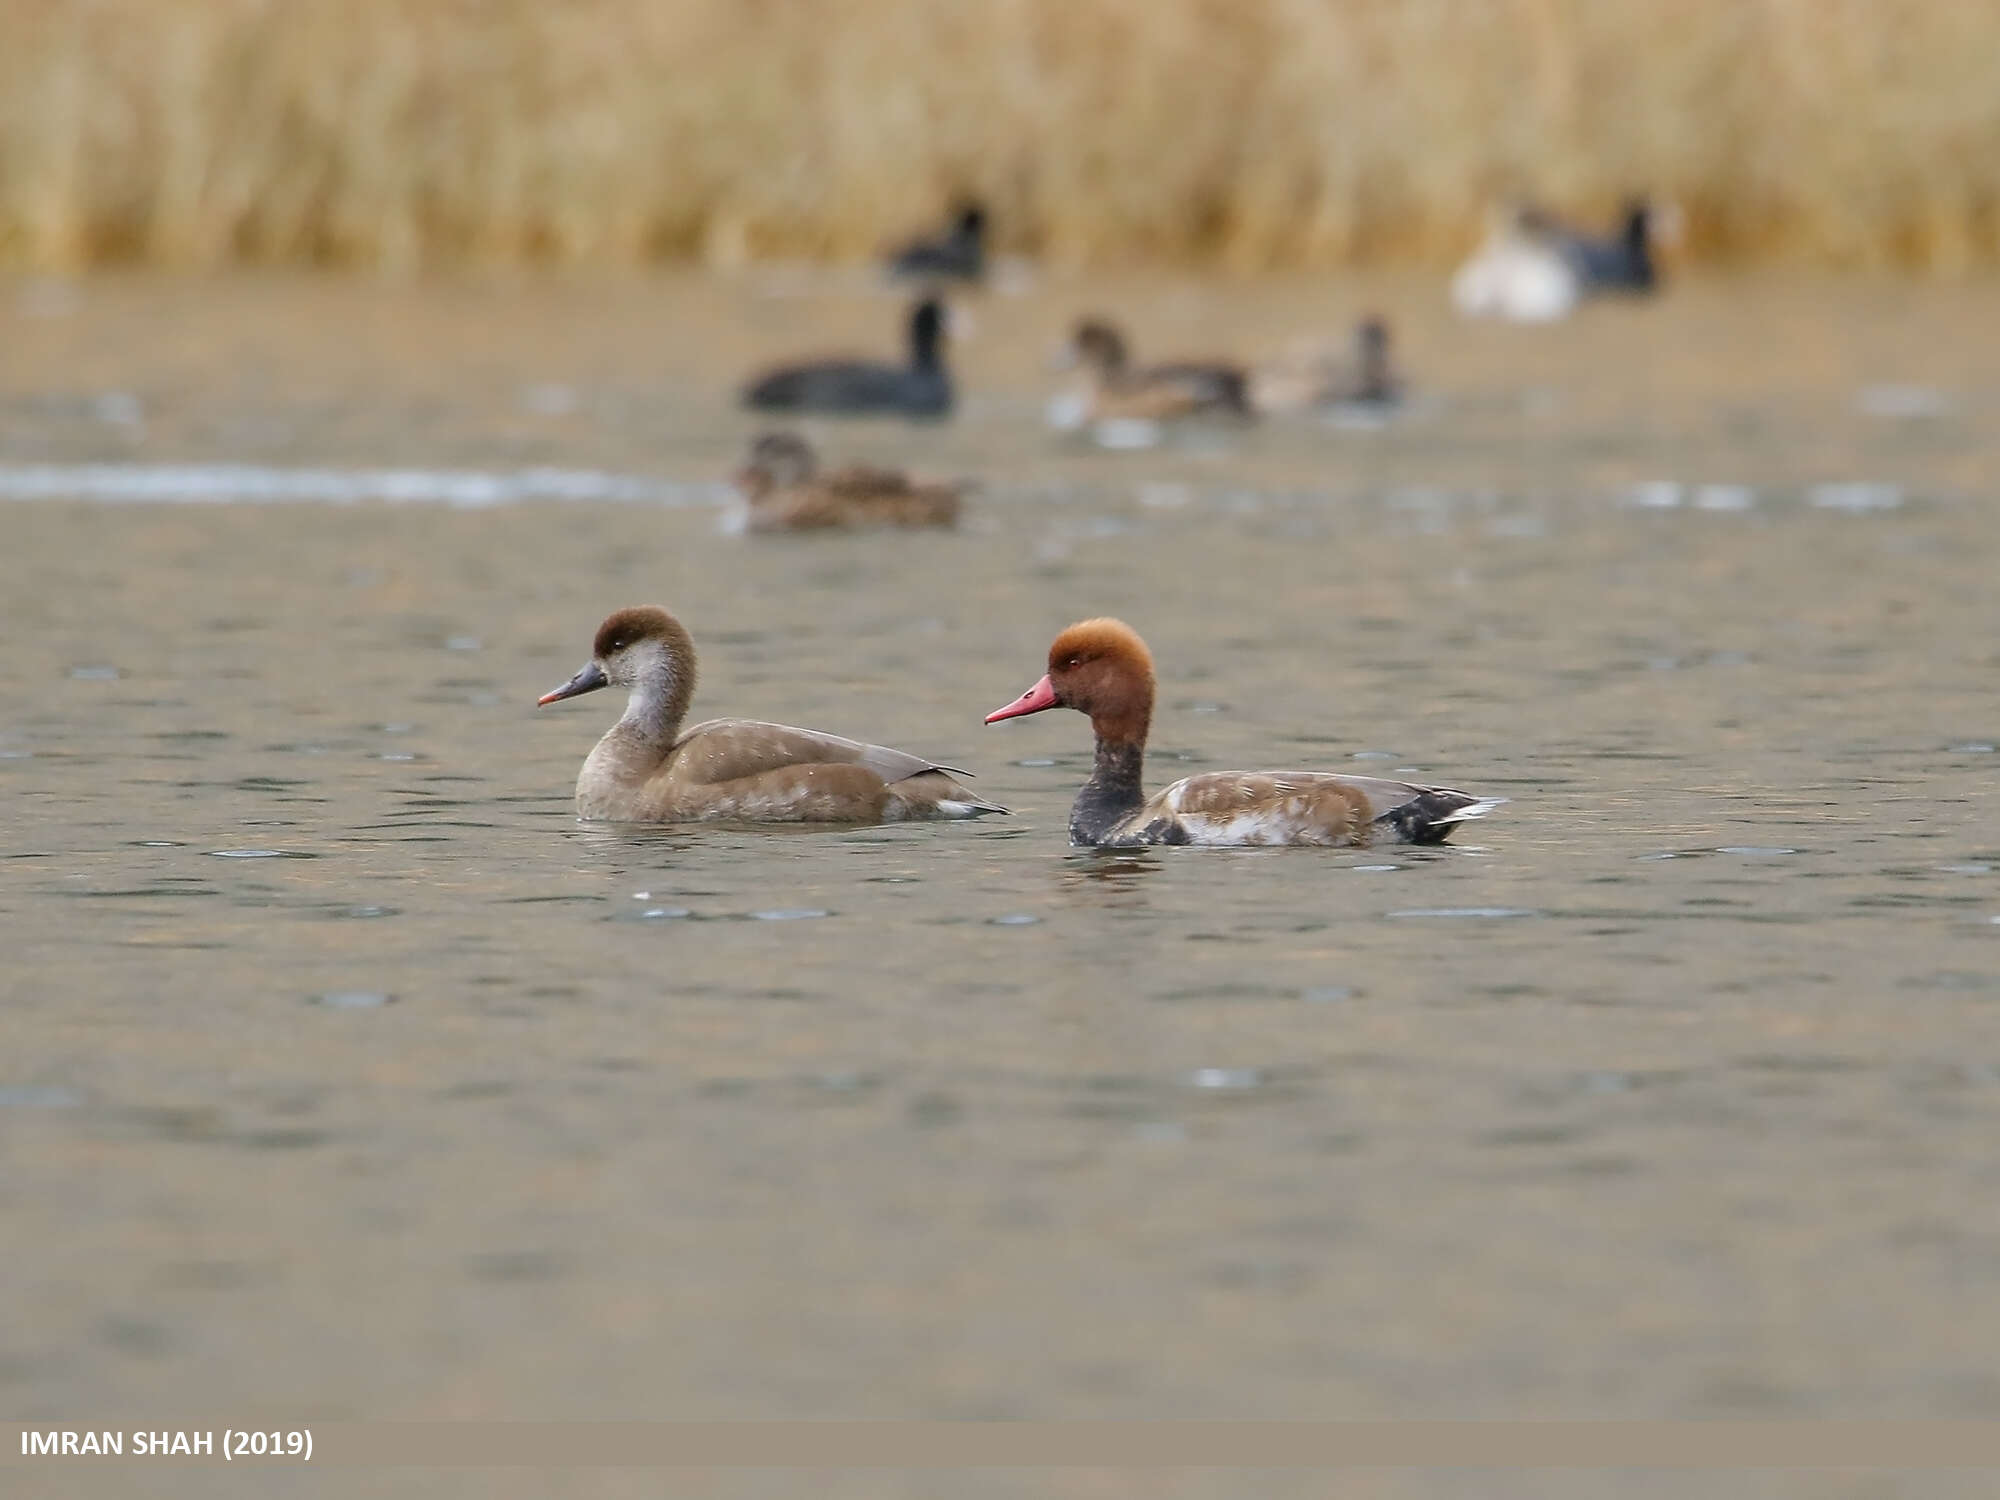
x=1102, y=668
x=647, y=769
x=784, y=489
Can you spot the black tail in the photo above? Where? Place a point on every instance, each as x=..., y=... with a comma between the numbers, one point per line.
x=1431, y=815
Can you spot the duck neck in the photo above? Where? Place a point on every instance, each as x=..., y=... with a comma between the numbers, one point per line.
x=654, y=712
x=1638, y=246
x=1375, y=380
x=926, y=346
x=640, y=740
x=1114, y=788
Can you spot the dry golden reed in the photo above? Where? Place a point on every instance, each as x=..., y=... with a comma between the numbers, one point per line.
x=1245, y=133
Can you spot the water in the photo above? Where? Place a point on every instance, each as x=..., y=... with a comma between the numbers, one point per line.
x=345, y=1075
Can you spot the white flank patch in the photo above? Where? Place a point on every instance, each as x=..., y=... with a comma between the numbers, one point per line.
x=1242, y=830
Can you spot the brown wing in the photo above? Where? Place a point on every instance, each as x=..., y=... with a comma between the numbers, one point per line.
x=890, y=498
x=1175, y=390
x=856, y=496
x=731, y=749
x=1145, y=403
x=1268, y=807
x=795, y=510
x=928, y=505
x=1303, y=807
x=863, y=482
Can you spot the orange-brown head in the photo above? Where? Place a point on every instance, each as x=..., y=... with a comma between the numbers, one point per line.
x=641, y=647
x=1100, y=668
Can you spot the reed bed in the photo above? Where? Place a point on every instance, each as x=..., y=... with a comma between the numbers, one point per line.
x=1239, y=133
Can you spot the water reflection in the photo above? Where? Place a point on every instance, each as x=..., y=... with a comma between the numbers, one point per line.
x=1107, y=879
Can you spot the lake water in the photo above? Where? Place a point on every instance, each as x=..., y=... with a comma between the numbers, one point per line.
x=344, y=1076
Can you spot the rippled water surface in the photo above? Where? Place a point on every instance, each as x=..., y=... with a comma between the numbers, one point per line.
x=345, y=1075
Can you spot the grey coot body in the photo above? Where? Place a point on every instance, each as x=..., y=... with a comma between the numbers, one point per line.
x=959, y=253
x=858, y=387
x=1619, y=263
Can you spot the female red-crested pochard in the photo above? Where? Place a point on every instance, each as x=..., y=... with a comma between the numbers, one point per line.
x=1102, y=668
x=784, y=489
x=647, y=769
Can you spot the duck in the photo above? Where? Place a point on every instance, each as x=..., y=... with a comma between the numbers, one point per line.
x=1620, y=262
x=1520, y=271
x=647, y=769
x=784, y=489
x=1112, y=389
x=857, y=387
x=1314, y=378
x=1102, y=668
x=1534, y=268
x=959, y=253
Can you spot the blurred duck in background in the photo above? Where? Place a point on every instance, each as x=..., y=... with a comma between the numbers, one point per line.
x=958, y=254
x=1312, y=377
x=1518, y=272
x=1126, y=402
x=1531, y=268
x=1622, y=262
x=784, y=489
x=858, y=387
